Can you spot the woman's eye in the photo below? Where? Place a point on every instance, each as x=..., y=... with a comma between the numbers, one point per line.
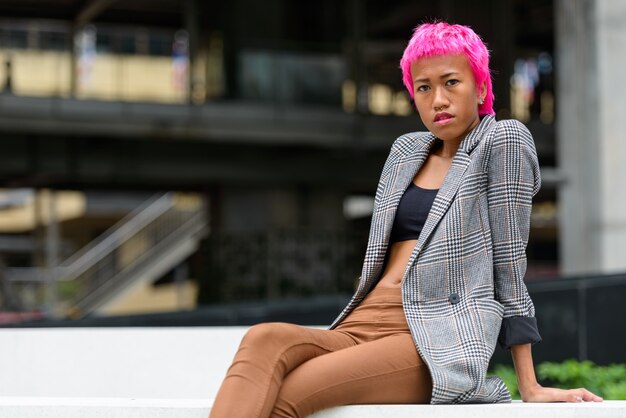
x=452, y=82
x=423, y=87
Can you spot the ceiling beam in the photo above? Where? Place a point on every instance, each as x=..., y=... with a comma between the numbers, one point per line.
x=91, y=10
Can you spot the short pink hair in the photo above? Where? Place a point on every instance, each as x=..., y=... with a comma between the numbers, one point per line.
x=440, y=38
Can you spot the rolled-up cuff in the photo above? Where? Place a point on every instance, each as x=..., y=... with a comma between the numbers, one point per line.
x=518, y=330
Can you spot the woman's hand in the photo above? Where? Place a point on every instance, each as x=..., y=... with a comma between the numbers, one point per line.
x=532, y=391
x=538, y=393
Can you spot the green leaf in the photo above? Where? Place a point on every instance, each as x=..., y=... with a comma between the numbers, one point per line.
x=606, y=381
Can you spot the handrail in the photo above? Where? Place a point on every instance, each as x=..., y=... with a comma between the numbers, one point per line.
x=87, y=256
x=116, y=235
x=190, y=226
x=117, y=256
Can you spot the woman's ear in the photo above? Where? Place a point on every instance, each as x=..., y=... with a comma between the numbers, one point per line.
x=483, y=92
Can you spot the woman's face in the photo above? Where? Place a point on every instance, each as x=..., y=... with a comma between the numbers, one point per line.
x=445, y=95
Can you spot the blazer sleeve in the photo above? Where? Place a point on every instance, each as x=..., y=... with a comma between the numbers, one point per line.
x=513, y=180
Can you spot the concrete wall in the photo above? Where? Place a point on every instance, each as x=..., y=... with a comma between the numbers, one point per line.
x=591, y=134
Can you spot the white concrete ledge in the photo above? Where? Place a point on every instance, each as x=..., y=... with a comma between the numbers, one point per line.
x=516, y=409
x=175, y=373
x=140, y=363
x=40, y=407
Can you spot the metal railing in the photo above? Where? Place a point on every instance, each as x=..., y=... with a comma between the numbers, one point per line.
x=282, y=263
x=116, y=257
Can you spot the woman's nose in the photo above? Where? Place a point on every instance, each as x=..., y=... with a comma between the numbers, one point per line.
x=440, y=98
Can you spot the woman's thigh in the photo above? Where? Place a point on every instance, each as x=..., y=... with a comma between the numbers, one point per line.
x=266, y=354
x=384, y=371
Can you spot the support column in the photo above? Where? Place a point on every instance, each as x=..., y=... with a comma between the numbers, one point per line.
x=53, y=238
x=190, y=18
x=73, y=62
x=356, y=13
x=591, y=128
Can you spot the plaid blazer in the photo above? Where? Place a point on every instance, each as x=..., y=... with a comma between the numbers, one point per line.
x=466, y=271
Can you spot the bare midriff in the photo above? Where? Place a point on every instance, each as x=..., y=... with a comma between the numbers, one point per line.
x=429, y=176
x=399, y=255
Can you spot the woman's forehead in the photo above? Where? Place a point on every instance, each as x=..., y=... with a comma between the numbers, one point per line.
x=439, y=65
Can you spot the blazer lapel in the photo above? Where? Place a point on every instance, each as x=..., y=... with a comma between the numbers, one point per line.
x=401, y=175
x=444, y=198
x=451, y=184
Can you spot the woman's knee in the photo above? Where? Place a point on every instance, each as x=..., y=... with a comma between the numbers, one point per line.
x=269, y=333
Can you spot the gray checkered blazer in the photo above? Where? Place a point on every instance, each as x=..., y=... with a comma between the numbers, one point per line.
x=466, y=271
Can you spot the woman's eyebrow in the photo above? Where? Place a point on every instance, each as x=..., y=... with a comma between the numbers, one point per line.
x=426, y=79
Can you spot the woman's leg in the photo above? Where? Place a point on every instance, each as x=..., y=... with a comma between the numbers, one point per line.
x=267, y=353
x=387, y=370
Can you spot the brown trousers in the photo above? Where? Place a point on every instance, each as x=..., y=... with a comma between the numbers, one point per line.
x=286, y=370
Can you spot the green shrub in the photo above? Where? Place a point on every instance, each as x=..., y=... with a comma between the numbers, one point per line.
x=606, y=381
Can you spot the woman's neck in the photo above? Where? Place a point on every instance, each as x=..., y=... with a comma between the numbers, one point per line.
x=445, y=149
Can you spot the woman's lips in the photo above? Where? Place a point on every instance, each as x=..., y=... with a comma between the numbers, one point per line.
x=443, y=118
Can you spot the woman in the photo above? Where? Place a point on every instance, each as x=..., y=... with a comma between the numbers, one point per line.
x=442, y=280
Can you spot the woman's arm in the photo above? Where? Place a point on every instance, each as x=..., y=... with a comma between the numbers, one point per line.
x=514, y=178
x=531, y=391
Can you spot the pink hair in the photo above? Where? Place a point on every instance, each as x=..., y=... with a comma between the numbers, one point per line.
x=442, y=38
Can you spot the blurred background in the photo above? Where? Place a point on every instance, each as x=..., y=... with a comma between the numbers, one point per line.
x=187, y=162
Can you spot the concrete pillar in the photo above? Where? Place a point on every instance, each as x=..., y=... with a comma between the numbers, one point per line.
x=53, y=238
x=591, y=131
x=196, y=72
x=356, y=35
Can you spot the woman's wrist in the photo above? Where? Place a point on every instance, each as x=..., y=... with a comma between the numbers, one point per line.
x=527, y=389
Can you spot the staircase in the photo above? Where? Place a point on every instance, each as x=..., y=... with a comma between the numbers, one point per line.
x=143, y=246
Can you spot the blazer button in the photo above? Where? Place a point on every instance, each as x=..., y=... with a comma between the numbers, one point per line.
x=454, y=298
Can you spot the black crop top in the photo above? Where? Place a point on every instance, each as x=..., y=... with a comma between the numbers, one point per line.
x=412, y=213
